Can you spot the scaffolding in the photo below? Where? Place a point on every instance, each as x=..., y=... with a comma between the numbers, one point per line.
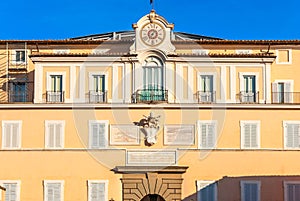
x=14, y=70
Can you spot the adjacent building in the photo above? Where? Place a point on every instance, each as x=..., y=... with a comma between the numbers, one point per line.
x=150, y=114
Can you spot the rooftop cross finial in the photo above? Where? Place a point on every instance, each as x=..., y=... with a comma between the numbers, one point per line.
x=152, y=4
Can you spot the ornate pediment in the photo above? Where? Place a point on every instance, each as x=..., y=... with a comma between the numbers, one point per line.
x=153, y=32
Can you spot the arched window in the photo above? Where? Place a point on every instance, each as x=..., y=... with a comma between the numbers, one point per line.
x=153, y=82
x=153, y=73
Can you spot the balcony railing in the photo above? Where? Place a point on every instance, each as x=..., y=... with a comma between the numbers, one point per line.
x=206, y=96
x=150, y=96
x=19, y=96
x=98, y=96
x=286, y=97
x=248, y=97
x=55, y=96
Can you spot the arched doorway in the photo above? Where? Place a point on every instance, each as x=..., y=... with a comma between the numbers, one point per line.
x=153, y=197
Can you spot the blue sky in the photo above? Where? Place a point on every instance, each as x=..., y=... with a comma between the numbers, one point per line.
x=231, y=19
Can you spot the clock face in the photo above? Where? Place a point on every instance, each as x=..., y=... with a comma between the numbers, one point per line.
x=152, y=34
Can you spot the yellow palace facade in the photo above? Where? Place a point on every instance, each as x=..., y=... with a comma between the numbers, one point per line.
x=149, y=114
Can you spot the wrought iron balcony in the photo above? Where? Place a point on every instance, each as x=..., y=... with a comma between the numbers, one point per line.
x=55, y=96
x=98, y=96
x=286, y=97
x=248, y=97
x=150, y=96
x=19, y=96
x=206, y=96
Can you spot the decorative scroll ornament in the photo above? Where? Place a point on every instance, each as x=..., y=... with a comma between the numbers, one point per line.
x=150, y=127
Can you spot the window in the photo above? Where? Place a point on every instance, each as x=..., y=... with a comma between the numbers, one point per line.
x=55, y=86
x=206, y=88
x=207, y=134
x=54, y=134
x=250, y=134
x=20, y=56
x=17, y=92
x=11, y=134
x=97, y=190
x=291, y=134
x=248, y=87
x=53, y=190
x=206, y=191
x=291, y=191
x=12, y=192
x=282, y=91
x=250, y=190
x=153, y=82
x=284, y=56
x=98, y=87
x=98, y=134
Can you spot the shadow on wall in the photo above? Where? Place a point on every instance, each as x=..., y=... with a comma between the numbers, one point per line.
x=253, y=188
x=18, y=88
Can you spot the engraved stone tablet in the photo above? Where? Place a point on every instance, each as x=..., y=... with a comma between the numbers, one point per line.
x=179, y=135
x=155, y=157
x=124, y=135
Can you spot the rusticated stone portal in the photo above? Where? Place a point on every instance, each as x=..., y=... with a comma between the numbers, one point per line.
x=153, y=198
x=151, y=183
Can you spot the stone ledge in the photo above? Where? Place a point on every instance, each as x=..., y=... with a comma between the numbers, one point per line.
x=145, y=169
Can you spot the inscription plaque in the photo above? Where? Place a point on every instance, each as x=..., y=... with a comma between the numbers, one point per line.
x=124, y=135
x=179, y=135
x=155, y=157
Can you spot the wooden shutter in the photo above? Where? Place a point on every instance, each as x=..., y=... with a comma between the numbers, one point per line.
x=288, y=98
x=207, y=135
x=6, y=135
x=97, y=191
x=210, y=135
x=250, y=135
x=51, y=135
x=292, y=135
x=203, y=136
x=53, y=192
x=11, y=135
x=101, y=132
x=247, y=134
x=58, y=135
x=15, y=135
x=254, y=136
x=275, y=98
x=11, y=193
x=94, y=138
x=97, y=137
